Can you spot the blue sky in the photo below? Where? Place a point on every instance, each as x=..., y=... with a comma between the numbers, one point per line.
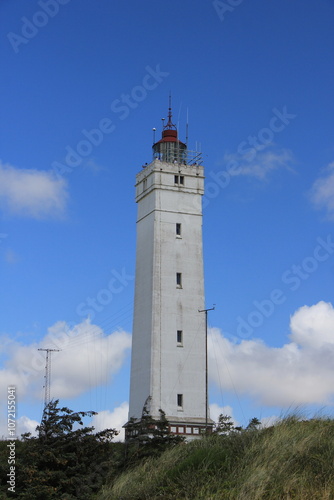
x=83, y=84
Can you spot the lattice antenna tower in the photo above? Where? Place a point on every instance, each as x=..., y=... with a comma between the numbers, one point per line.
x=47, y=376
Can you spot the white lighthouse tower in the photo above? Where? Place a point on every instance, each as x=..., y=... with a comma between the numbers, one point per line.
x=168, y=366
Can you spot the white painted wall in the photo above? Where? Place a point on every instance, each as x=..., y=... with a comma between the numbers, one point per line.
x=160, y=367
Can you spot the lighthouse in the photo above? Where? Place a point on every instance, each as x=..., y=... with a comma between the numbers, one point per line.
x=169, y=364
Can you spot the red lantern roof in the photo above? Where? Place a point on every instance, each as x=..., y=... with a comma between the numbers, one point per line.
x=169, y=133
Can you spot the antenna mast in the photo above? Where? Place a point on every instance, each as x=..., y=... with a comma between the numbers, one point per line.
x=206, y=364
x=187, y=129
x=47, y=375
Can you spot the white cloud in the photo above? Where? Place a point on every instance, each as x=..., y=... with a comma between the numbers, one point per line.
x=32, y=193
x=23, y=425
x=259, y=165
x=269, y=421
x=322, y=192
x=88, y=358
x=312, y=327
x=26, y=424
x=112, y=420
x=300, y=372
x=216, y=410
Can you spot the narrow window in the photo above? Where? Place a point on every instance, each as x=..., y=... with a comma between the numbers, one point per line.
x=180, y=400
x=179, y=337
x=179, y=280
x=178, y=229
x=144, y=184
x=179, y=179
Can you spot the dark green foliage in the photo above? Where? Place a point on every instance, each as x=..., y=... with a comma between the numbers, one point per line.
x=254, y=424
x=150, y=436
x=68, y=461
x=224, y=425
x=63, y=462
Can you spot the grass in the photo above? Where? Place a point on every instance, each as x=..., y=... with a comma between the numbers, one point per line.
x=292, y=460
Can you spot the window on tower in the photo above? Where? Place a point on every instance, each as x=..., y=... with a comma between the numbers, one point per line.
x=179, y=338
x=179, y=180
x=179, y=280
x=180, y=401
x=178, y=229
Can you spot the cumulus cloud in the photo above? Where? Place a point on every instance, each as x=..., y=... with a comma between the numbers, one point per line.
x=269, y=421
x=216, y=410
x=26, y=424
x=322, y=191
x=300, y=372
x=112, y=420
x=23, y=424
x=258, y=164
x=32, y=193
x=88, y=358
x=312, y=327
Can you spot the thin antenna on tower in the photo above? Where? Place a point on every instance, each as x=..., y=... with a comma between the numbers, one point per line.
x=170, y=124
x=206, y=364
x=47, y=376
x=187, y=127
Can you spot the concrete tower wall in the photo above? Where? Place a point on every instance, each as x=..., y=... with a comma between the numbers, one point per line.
x=166, y=365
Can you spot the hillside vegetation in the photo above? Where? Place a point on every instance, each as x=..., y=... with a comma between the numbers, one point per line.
x=292, y=460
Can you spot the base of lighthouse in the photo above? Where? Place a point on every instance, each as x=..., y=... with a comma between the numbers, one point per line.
x=189, y=430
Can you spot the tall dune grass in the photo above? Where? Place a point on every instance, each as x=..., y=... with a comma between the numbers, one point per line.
x=293, y=460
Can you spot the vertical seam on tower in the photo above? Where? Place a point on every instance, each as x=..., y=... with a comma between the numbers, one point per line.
x=160, y=402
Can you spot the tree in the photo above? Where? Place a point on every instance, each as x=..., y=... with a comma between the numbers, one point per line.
x=224, y=425
x=59, y=422
x=66, y=460
x=253, y=424
x=149, y=436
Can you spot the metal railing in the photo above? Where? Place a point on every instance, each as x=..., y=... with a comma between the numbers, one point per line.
x=185, y=157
